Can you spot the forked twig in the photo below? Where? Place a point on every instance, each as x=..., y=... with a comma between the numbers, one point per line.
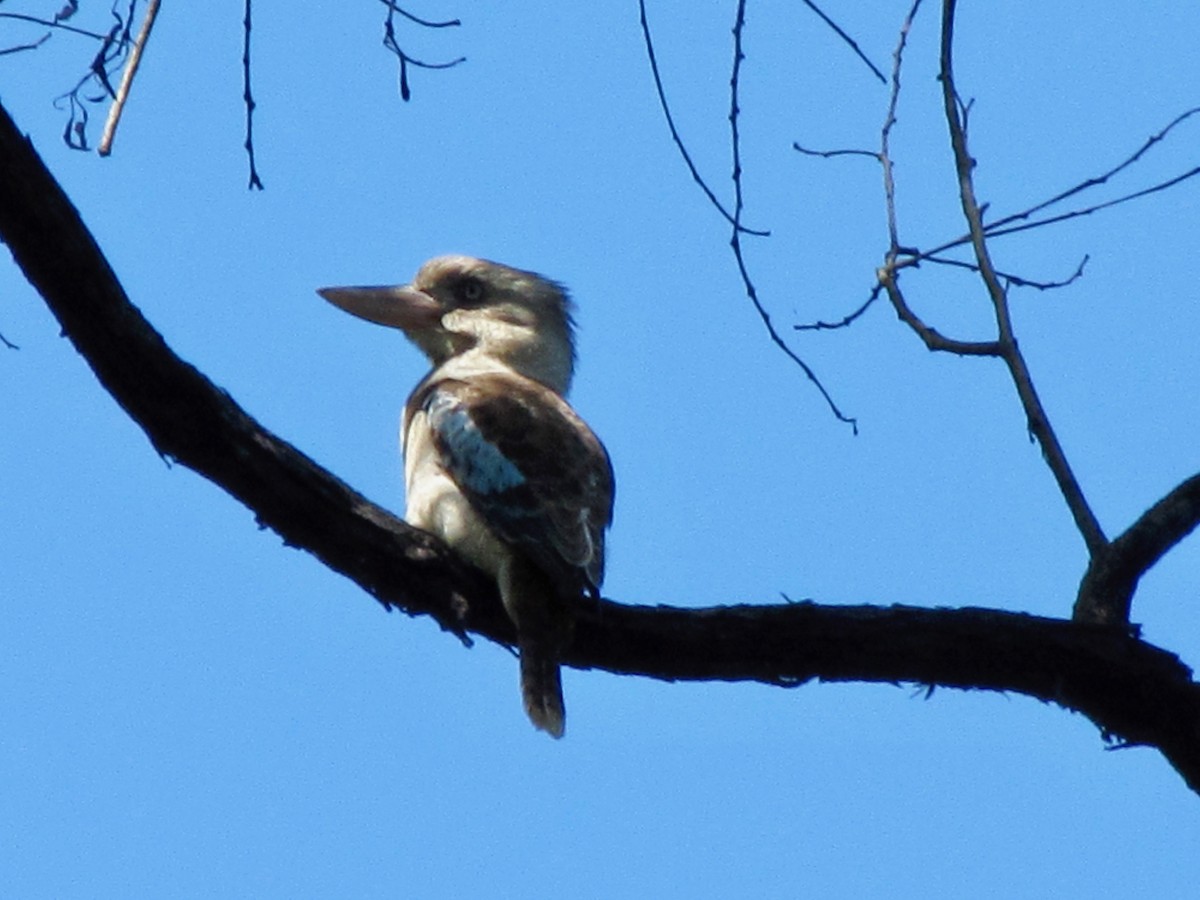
x=425, y=23
x=679, y=145
x=1097, y=180
x=736, y=241
x=404, y=59
x=1000, y=227
x=888, y=274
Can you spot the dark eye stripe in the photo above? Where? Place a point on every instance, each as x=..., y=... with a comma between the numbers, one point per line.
x=470, y=291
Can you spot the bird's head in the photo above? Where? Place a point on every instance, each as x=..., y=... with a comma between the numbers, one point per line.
x=483, y=312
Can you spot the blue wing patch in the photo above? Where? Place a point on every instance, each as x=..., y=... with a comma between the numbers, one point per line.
x=526, y=462
x=477, y=461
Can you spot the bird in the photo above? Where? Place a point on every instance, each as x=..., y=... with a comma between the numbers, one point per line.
x=497, y=463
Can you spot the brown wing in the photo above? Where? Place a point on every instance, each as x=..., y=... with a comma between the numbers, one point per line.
x=531, y=467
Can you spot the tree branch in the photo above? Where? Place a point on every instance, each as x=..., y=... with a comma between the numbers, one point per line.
x=931, y=337
x=104, y=148
x=1039, y=422
x=1133, y=691
x=676, y=137
x=735, y=241
x=255, y=182
x=1106, y=592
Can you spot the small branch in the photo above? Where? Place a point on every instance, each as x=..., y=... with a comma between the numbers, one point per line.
x=999, y=227
x=255, y=182
x=1009, y=278
x=1097, y=180
x=666, y=108
x=424, y=23
x=845, y=321
x=389, y=41
x=7, y=343
x=21, y=48
x=887, y=275
x=104, y=148
x=885, y=137
x=54, y=23
x=845, y=37
x=1039, y=423
x=931, y=337
x=1106, y=592
x=995, y=231
x=830, y=154
x=736, y=242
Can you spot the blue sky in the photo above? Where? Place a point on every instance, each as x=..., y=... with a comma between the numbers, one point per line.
x=191, y=709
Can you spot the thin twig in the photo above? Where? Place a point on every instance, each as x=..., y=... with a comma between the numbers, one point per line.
x=1015, y=280
x=996, y=228
x=736, y=242
x=883, y=157
x=1096, y=180
x=7, y=343
x=255, y=182
x=51, y=23
x=889, y=121
x=666, y=108
x=20, y=48
x=993, y=231
x=390, y=42
x=845, y=321
x=845, y=37
x=426, y=23
x=888, y=275
x=830, y=154
x=1039, y=424
x=104, y=148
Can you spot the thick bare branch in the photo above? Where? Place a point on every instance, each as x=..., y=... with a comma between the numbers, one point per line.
x=1133, y=691
x=1106, y=591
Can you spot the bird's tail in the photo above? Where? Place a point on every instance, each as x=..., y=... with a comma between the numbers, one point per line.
x=541, y=686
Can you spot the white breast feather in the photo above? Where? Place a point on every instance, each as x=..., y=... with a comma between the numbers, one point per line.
x=435, y=504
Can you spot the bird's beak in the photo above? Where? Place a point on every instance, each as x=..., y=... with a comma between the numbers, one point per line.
x=402, y=306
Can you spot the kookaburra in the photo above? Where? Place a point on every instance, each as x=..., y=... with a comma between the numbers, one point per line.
x=496, y=462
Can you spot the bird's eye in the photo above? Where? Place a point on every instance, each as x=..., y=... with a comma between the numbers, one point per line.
x=470, y=290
